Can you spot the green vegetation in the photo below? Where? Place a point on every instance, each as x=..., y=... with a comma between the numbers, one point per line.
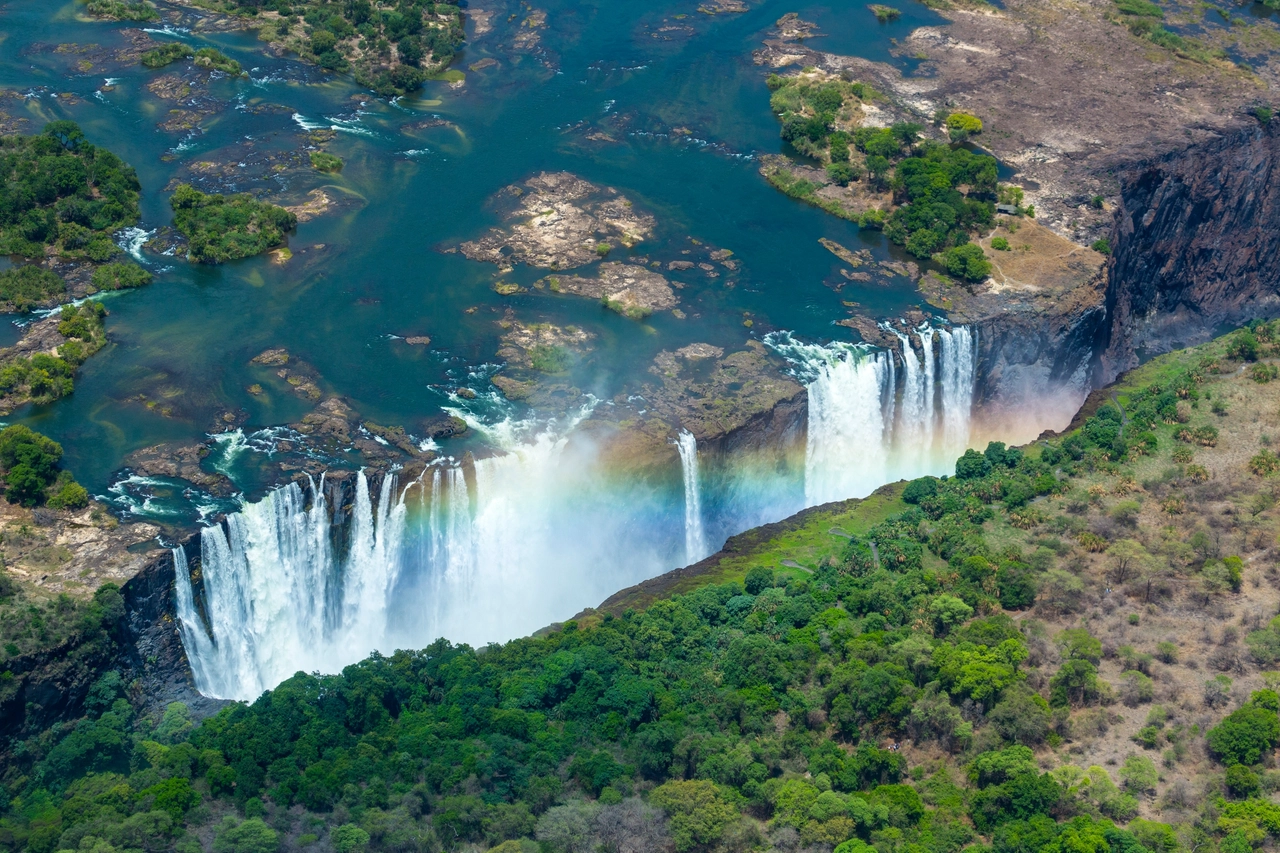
x=1102, y=246
x=885, y=13
x=29, y=465
x=961, y=126
x=967, y=261
x=60, y=191
x=30, y=286
x=123, y=10
x=323, y=161
x=222, y=228
x=761, y=706
x=1000, y=244
x=1143, y=17
x=44, y=377
x=391, y=48
x=550, y=359
x=943, y=194
x=120, y=277
x=1263, y=114
x=205, y=57
x=934, y=214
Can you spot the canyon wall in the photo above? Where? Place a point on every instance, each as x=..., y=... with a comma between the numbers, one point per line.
x=1194, y=246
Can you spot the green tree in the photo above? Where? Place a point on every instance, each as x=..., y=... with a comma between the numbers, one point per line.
x=1245, y=735
x=967, y=261
x=348, y=838
x=699, y=813
x=249, y=836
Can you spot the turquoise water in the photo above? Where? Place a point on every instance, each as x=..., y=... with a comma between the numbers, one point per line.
x=184, y=343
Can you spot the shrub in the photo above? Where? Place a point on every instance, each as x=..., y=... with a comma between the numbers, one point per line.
x=1245, y=735
x=1102, y=246
x=120, y=276
x=972, y=465
x=961, y=126
x=29, y=286
x=699, y=814
x=1139, y=774
x=1263, y=373
x=967, y=262
x=920, y=489
x=323, y=161
x=221, y=228
x=1000, y=244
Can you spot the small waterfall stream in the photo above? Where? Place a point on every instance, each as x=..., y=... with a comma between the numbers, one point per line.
x=695, y=545
x=482, y=550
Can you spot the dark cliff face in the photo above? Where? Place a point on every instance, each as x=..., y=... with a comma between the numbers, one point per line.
x=1195, y=246
x=143, y=645
x=1033, y=369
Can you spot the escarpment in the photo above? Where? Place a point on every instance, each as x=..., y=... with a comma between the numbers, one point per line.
x=1195, y=245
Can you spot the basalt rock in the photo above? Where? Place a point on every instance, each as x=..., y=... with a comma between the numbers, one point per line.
x=1194, y=246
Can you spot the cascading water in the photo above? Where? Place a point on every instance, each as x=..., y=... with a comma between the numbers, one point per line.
x=865, y=426
x=695, y=546
x=476, y=551
x=482, y=550
x=277, y=597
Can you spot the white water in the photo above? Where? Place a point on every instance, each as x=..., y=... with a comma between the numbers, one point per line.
x=483, y=550
x=478, y=551
x=870, y=424
x=695, y=540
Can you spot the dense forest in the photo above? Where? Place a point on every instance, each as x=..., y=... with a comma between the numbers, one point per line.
x=1000, y=660
x=223, y=228
x=59, y=190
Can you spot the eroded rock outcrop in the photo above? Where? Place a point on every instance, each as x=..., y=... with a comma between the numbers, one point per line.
x=1194, y=246
x=559, y=221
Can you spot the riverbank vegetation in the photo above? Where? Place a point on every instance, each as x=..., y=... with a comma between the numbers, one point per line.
x=391, y=48
x=1063, y=647
x=939, y=195
x=205, y=57
x=123, y=10
x=61, y=192
x=222, y=228
x=48, y=373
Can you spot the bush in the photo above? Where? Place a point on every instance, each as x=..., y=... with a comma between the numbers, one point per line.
x=1245, y=735
x=920, y=489
x=1000, y=244
x=972, y=466
x=967, y=262
x=250, y=836
x=322, y=161
x=699, y=814
x=961, y=126
x=841, y=173
x=222, y=228
x=1139, y=774
x=120, y=276
x=29, y=286
x=758, y=579
x=348, y=838
x=29, y=461
x=1102, y=246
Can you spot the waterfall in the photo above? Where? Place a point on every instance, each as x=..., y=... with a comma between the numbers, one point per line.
x=278, y=599
x=957, y=388
x=695, y=546
x=484, y=549
x=870, y=423
x=477, y=550
x=846, y=449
